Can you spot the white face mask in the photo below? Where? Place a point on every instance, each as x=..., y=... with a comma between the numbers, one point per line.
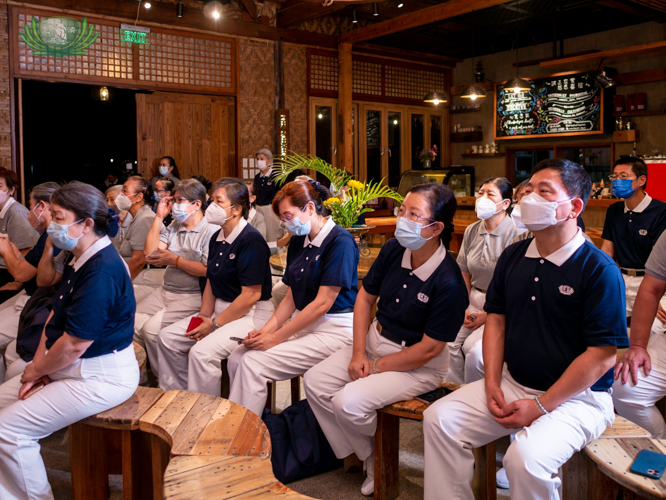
x=215, y=214
x=4, y=195
x=261, y=164
x=123, y=202
x=516, y=216
x=179, y=211
x=486, y=208
x=164, y=170
x=538, y=213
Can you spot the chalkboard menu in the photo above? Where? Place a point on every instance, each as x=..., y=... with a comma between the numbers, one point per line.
x=566, y=104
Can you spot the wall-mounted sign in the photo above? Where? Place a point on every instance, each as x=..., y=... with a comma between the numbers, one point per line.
x=134, y=34
x=59, y=36
x=559, y=105
x=283, y=131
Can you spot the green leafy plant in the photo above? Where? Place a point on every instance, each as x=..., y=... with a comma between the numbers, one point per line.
x=85, y=37
x=349, y=195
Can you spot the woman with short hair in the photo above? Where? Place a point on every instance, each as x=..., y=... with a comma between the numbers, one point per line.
x=236, y=297
x=168, y=169
x=421, y=307
x=183, y=249
x=86, y=361
x=315, y=318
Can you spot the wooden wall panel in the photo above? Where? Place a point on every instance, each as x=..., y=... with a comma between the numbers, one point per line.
x=193, y=129
x=5, y=117
x=296, y=96
x=257, y=96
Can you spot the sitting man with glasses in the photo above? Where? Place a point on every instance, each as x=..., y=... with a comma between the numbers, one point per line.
x=633, y=226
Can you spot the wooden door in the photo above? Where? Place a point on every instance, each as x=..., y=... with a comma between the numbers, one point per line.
x=198, y=131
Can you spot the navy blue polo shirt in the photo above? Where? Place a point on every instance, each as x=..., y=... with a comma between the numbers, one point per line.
x=237, y=261
x=95, y=301
x=634, y=232
x=33, y=257
x=431, y=299
x=266, y=187
x=331, y=259
x=554, y=312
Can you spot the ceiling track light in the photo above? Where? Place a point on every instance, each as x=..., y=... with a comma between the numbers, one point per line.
x=179, y=9
x=399, y=3
x=375, y=9
x=354, y=19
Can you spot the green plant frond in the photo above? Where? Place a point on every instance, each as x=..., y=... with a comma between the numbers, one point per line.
x=294, y=161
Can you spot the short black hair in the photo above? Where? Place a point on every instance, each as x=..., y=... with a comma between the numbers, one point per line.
x=443, y=206
x=638, y=166
x=503, y=184
x=237, y=192
x=574, y=177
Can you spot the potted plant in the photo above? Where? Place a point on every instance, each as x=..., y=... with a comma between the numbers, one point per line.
x=349, y=195
x=427, y=156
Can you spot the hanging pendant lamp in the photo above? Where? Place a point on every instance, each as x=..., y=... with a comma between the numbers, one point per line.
x=436, y=98
x=473, y=92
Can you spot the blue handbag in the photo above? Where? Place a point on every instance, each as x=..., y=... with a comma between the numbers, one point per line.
x=300, y=448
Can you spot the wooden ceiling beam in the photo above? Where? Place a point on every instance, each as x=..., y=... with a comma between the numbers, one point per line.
x=306, y=11
x=381, y=50
x=596, y=57
x=439, y=12
x=633, y=11
x=251, y=8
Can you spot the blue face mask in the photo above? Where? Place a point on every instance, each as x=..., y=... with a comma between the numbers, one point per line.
x=157, y=197
x=408, y=233
x=298, y=228
x=59, y=234
x=622, y=188
x=179, y=211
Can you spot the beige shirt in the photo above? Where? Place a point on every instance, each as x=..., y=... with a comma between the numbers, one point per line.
x=134, y=237
x=14, y=222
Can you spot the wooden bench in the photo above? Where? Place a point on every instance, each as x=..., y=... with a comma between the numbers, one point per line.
x=387, y=439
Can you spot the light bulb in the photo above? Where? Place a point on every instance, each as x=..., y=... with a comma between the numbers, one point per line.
x=320, y=116
x=216, y=14
x=516, y=90
x=111, y=160
x=104, y=94
x=473, y=97
x=435, y=102
x=147, y=5
x=395, y=122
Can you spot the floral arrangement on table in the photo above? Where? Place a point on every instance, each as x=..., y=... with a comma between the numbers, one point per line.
x=428, y=155
x=349, y=195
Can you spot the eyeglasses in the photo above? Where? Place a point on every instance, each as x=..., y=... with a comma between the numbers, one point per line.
x=622, y=176
x=181, y=200
x=288, y=217
x=409, y=215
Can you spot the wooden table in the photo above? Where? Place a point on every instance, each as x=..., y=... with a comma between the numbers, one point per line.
x=279, y=262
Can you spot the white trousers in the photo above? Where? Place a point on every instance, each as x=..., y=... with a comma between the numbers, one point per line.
x=636, y=402
x=461, y=421
x=10, y=319
x=250, y=371
x=346, y=410
x=272, y=222
x=631, y=286
x=15, y=365
x=146, y=282
x=187, y=364
x=465, y=341
x=86, y=387
x=278, y=293
x=157, y=311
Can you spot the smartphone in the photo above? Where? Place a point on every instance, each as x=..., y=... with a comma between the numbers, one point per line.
x=194, y=323
x=35, y=388
x=432, y=396
x=236, y=339
x=154, y=252
x=649, y=464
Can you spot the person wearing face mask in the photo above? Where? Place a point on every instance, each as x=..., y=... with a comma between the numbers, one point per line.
x=167, y=169
x=633, y=226
x=183, y=249
x=422, y=302
x=15, y=229
x=266, y=189
x=125, y=217
x=236, y=297
x=315, y=318
x=254, y=218
x=163, y=188
x=555, y=321
x=482, y=244
x=86, y=360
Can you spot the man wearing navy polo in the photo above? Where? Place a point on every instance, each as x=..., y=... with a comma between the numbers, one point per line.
x=556, y=317
x=633, y=226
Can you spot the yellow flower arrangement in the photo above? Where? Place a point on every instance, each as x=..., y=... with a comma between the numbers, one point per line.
x=355, y=184
x=331, y=201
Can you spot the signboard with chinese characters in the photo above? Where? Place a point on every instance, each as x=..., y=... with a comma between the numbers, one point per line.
x=283, y=131
x=559, y=105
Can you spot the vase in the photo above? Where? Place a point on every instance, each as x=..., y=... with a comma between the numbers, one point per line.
x=426, y=164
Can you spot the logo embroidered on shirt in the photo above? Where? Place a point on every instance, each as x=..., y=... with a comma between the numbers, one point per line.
x=423, y=298
x=566, y=290
x=317, y=257
x=232, y=256
x=642, y=232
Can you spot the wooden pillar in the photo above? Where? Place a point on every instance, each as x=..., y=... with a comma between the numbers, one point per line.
x=345, y=136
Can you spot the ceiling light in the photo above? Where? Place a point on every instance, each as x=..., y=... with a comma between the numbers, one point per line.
x=518, y=85
x=213, y=9
x=147, y=5
x=179, y=9
x=216, y=14
x=436, y=98
x=103, y=94
x=395, y=122
x=604, y=81
x=473, y=92
x=354, y=20
x=320, y=116
x=375, y=9
x=399, y=3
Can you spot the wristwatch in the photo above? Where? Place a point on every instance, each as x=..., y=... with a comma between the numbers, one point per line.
x=215, y=325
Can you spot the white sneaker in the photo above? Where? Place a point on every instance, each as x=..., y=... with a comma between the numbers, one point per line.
x=368, y=486
x=501, y=479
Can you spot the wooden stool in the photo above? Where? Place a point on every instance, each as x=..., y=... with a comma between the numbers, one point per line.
x=110, y=443
x=387, y=439
x=601, y=470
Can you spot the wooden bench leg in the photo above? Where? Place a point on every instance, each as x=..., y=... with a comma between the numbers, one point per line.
x=484, y=484
x=295, y=389
x=90, y=476
x=136, y=465
x=160, y=453
x=225, y=389
x=387, y=445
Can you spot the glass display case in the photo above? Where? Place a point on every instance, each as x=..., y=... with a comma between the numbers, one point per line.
x=596, y=160
x=460, y=178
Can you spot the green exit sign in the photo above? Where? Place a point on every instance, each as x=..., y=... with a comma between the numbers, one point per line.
x=134, y=34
